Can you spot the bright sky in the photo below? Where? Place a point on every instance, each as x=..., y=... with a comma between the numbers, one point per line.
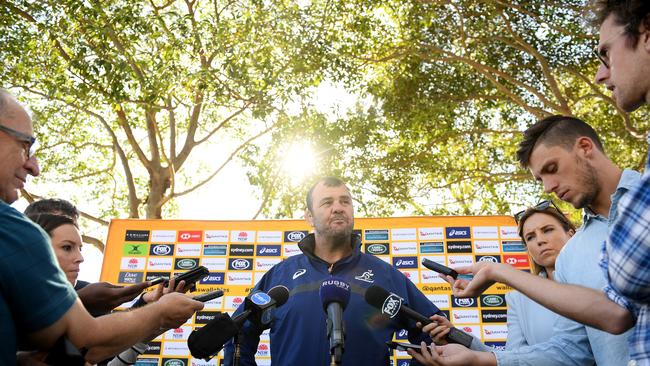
x=229, y=196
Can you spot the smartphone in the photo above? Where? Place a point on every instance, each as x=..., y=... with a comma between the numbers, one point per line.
x=402, y=346
x=157, y=280
x=208, y=296
x=190, y=277
x=436, y=267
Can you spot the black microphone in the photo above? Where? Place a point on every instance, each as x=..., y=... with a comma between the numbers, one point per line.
x=259, y=307
x=335, y=295
x=391, y=305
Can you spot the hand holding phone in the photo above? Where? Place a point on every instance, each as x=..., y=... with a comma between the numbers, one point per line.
x=403, y=346
x=436, y=267
x=208, y=296
x=190, y=277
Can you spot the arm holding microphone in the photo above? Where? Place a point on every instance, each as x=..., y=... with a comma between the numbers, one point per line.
x=249, y=320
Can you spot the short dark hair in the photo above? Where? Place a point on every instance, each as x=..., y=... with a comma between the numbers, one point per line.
x=55, y=206
x=328, y=182
x=555, y=130
x=629, y=13
x=566, y=224
x=50, y=222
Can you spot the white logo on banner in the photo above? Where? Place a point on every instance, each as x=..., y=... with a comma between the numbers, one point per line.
x=432, y=233
x=405, y=248
x=291, y=250
x=269, y=237
x=163, y=236
x=132, y=263
x=216, y=236
x=485, y=232
x=509, y=232
x=486, y=246
x=403, y=234
x=495, y=331
x=188, y=250
x=464, y=316
x=214, y=264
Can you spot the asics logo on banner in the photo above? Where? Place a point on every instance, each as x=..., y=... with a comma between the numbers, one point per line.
x=391, y=305
x=274, y=250
x=403, y=333
x=366, y=276
x=453, y=232
x=299, y=273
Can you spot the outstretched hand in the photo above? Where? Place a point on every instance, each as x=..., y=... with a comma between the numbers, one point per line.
x=163, y=290
x=485, y=275
x=102, y=297
x=438, y=329
x=449, y=355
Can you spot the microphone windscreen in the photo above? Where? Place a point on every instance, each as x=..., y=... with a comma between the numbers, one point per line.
x=208, y=340
x=376, y=296
x=334, y=290
x=280, y=294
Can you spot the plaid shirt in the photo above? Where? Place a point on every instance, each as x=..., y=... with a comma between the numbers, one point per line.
x=626, y=261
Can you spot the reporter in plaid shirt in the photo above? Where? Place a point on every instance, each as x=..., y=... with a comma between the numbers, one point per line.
x=624, y=52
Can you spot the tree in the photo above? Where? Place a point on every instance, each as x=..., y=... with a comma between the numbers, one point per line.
x=453, y=84
x=125, y=92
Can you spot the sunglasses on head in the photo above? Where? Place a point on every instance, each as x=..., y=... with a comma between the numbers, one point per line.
x=541, y=206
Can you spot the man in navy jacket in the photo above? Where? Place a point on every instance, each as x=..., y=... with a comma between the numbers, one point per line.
x=298, y=335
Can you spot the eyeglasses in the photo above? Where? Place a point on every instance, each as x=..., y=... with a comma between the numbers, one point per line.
x=603, y=53
x=541, y=206
x=31, y=145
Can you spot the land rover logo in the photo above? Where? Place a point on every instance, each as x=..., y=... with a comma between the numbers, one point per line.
x=376, y=249
x=186, y=263
x=162, y=249
x=240, y=264
x=174, y=363
x=296, y=236
x=391, y=305
x=493, y=300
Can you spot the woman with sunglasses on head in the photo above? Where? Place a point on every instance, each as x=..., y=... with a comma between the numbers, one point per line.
x=544, y=230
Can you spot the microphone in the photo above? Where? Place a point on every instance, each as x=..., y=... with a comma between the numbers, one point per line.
x=391, y=305
x=335, y=295
x=259, y=307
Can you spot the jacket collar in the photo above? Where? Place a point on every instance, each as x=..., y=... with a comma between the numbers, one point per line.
x=308, y=243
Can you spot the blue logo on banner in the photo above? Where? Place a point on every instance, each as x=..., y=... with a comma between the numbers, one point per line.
x=214, y=278
x=146, y=362
x=215, y=249
x=458, y=232
x=376, y=234
x=432, y=247
x=513, y=246
x=405, y=262
x=403, y=362
x=402, y=334
x=268, y=250
x=497, y=346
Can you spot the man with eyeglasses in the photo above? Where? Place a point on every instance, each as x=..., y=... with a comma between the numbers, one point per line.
x=566, y=155
x=38, y=305
x=624, y=52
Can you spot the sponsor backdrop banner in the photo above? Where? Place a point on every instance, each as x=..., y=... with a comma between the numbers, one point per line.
x=238, y=253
